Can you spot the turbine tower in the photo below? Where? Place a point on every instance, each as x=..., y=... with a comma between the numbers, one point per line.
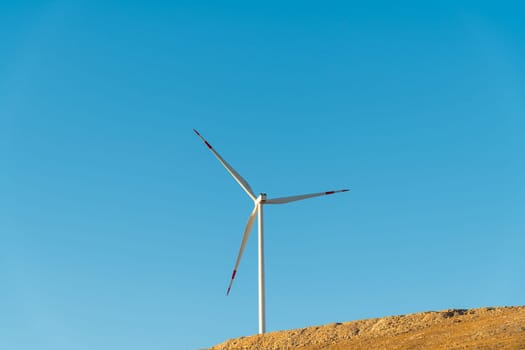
x=259, y=202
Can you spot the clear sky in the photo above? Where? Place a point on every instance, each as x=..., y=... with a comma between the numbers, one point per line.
x=119, y=229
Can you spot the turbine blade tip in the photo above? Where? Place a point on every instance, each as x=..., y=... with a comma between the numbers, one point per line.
x=196, y=132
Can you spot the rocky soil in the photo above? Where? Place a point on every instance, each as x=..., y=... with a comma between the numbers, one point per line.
x=484, y=328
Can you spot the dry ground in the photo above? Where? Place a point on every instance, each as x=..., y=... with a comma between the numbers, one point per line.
x=485, y=328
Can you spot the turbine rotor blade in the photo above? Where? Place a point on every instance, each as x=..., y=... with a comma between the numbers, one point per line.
x=240, y=180
x=283, y=200
x=245, y=236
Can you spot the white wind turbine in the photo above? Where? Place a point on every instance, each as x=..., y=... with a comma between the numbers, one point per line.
x=259, y=202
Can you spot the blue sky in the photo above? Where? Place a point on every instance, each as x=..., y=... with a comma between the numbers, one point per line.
x=119, y=229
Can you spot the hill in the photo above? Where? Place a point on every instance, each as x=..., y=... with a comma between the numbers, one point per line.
x=484, y=328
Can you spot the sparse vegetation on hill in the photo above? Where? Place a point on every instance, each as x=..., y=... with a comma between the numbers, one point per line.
x=484, y=328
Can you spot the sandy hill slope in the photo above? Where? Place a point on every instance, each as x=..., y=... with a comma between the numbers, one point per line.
x=485, y=328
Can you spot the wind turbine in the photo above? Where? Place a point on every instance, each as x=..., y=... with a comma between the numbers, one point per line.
x=259, y=202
